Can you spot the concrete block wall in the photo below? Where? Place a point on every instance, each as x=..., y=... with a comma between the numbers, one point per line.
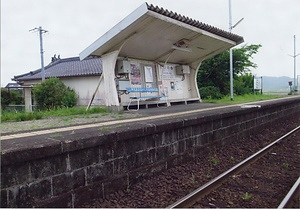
x=70, y=168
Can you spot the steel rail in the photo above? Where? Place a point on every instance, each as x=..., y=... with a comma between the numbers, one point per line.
x=197, y=194
x=290, y=195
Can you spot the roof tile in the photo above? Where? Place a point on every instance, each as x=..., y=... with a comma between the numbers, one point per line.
x=68, y=67
x=238, y=39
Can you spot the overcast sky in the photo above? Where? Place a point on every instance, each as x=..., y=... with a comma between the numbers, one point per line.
x=74, y=24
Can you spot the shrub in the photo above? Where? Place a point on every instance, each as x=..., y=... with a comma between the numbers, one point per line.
x=210, y=92
x=5, y=98
x=12, y=97
x=70, y=98
x=243, y=84
x=53, y=93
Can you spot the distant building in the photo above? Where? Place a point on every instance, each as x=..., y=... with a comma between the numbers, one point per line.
x=13, y=86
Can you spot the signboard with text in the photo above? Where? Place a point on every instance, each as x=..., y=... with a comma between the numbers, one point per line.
x=257, y=83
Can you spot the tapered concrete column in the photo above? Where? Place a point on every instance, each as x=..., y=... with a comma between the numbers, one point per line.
x=195, y=81
x=28, y=100
x=108, y=70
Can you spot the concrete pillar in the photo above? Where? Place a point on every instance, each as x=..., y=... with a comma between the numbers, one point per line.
x=28, y=99
x=193, y=80
x=108, y=69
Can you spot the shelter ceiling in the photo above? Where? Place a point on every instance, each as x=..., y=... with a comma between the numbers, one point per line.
x=152, y=36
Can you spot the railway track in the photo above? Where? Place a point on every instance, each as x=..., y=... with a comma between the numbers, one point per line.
x=288, y=200
x=192, y=198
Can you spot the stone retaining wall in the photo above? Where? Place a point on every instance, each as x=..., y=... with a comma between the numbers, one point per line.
x=67, y=169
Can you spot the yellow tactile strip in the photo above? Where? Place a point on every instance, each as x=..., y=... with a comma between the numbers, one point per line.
x=72, y=128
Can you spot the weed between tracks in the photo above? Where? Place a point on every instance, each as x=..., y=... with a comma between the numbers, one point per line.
x=214, y=160
x=246, y=196
x=285, y=165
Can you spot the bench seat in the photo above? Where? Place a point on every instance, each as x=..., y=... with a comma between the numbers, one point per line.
x=142, y=90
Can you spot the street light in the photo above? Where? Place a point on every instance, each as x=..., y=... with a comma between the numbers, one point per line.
x=230, y=50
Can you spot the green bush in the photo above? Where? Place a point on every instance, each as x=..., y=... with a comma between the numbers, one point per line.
x=210, y=92
x=53, y=93
x=12, y=97
x=243, y=84
x=5, y=98
x=70, y=98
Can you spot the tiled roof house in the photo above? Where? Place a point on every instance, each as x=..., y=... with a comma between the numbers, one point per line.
x=82, y=76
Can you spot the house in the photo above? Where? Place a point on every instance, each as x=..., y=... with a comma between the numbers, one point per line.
x=156, y=48
x=82, y=76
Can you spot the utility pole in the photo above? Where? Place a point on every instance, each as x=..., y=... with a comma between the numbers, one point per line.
x=295, y=81
x=41, y=31
x=230, y=50
x=230, y=54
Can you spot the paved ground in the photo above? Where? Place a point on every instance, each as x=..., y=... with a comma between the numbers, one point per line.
x=176, y=108
x=54, y=125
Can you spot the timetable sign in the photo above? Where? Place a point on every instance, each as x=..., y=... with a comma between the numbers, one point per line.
x=257, y=83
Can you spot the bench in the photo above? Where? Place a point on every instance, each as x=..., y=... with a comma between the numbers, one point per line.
x=140, y=91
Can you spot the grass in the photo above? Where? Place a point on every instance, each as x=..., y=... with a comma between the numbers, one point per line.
x=246, y=196
x=285, y=165
x=214, y=160
x=242, y=99
x=25, y=116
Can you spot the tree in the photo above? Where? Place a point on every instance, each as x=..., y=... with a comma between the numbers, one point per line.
x=53, y=93
x=215, y=71
x=243, y=84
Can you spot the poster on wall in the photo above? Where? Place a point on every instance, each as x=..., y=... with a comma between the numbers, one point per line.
x=148, y=74
x=164, y=88
x=135, y=75
x=178, y=86
x=167, y=72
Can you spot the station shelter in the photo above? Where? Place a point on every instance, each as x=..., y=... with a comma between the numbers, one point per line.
x=153, y=48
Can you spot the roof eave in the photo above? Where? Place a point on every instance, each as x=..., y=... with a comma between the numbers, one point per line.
x=128, y=20
x=124, y=29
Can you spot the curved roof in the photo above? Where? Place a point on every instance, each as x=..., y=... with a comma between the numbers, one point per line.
x=68, y=67
x=238, y=39
x=153, y=33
